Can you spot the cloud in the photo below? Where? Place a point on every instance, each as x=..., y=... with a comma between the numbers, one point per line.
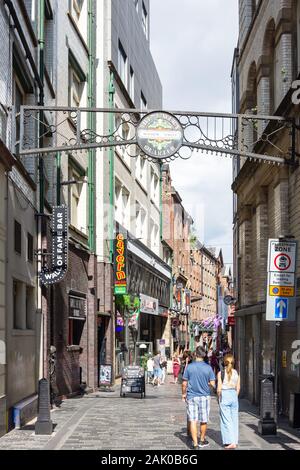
x=192, y=43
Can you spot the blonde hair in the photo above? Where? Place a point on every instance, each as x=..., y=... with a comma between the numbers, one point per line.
x=229, y=364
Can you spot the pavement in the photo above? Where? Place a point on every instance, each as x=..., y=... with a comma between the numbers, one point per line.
x=105, y=421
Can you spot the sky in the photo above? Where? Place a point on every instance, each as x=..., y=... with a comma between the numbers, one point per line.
x=192, y=43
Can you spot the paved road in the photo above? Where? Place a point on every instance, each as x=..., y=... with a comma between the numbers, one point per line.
x=104, y=421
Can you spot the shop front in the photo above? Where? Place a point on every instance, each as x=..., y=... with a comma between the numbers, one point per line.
x=141, y=304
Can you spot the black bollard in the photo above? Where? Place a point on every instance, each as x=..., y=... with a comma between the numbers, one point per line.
x=44, y=424
x=267, y=425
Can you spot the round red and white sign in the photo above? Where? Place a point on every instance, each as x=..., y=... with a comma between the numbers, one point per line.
x=282, y=262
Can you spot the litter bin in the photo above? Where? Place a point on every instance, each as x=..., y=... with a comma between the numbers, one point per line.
x=133, y=381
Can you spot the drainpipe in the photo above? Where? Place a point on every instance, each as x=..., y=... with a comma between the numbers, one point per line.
x=41, y=174
x=111, y=91
x=91, y=125
x=111, y=153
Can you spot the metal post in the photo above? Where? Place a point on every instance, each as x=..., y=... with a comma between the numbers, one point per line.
x=276, y=378
x=126, y=338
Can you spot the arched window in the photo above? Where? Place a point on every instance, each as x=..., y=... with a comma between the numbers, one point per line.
x=268, y=91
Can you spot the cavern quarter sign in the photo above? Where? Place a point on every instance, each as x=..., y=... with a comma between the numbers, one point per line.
x=159, y=135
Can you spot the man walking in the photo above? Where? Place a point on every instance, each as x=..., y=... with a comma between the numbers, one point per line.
x=197, y=379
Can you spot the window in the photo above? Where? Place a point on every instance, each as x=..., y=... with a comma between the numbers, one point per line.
x=49, y=47
x=75, y=331
x=78, y=199
x=154, y=237
x=29, y=247
x=18, y=238
x=145, y=20
x=122, y=64
x=122, y=206
x=17, y=305
x=77, y=85
x=143, y=102
x=131, y=84
x=123, y=131
x=30, y=308
x=18, y=101
x=76, y=89
x=77, y=317
x=140, y=223
x=154, y=187
x=140, y=170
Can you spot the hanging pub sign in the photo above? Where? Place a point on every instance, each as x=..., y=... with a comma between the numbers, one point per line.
x=120, y=254
x=59, y=248
x=159, y=135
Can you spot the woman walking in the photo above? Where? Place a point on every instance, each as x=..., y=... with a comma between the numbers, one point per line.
x=228, y=392
x=176, y=367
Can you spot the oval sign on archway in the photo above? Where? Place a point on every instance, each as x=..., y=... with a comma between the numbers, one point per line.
x=159, y=135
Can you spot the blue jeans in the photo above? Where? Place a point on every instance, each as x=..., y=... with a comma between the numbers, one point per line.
x=229, y=416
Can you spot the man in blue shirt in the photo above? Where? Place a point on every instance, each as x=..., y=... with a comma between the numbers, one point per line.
x=197, y=379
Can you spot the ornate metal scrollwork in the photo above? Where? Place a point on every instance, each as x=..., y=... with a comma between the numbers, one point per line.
x=65, y=129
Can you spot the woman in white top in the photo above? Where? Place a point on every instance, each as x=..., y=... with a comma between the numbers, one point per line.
x=228, y=392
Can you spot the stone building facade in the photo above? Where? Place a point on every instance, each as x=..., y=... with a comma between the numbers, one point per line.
x=6, y=164
x=266, y=196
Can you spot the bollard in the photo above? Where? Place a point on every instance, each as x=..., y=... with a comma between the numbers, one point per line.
x=44, y=424
x=267, y=425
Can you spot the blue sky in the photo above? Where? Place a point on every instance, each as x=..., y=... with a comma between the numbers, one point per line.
x=192, y=42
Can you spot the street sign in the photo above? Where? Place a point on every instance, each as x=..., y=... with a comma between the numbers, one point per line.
x=281, y=308
x=282, y=256
x=281, y=290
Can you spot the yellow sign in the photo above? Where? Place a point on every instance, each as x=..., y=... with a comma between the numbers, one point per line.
x=284, y=359
x=281, y=291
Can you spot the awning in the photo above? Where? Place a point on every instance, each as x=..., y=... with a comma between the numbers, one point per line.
x=104, y=314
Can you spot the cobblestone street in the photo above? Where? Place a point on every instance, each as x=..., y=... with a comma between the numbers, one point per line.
x=104, y=421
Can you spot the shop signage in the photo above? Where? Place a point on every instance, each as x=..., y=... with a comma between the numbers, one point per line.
x=120, y=276
x=59, y=248
x=159, y=135
x=281, y=289
x=149, y=305
x=231, y=321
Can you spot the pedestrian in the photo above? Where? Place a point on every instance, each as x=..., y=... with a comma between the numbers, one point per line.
x=150, y=364
x=163, y=366
x=187, y=358
x=214, y=363
x=176, y=367
x=197, y=380
x=228, y=393
x=157, y=369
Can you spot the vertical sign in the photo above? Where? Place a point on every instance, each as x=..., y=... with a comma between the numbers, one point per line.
x=281, y=293
x=59, y=247
x=120, y=276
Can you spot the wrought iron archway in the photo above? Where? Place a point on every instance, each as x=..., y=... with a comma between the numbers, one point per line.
x=64, y=129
